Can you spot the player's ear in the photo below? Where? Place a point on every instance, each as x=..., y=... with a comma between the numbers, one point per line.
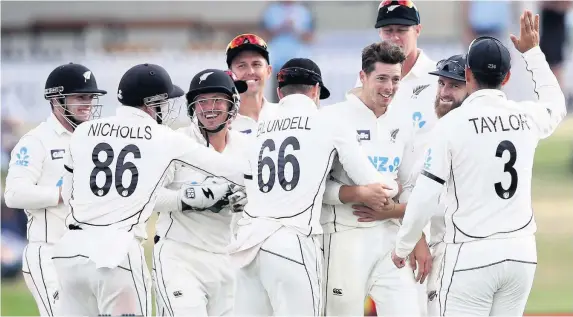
x=418, y=29
x=506, y=79
x=279, y=93
x=468, y=76
x=316, y=93
x=362, y=77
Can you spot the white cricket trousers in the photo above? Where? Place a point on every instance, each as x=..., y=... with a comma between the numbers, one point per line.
x=358, y=263
x=283, y=279
x=490, y=277
x=90, y=291
x=191, y=282
x=433, y=280
x=41, y=278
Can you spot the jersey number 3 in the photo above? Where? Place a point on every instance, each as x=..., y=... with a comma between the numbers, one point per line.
x=120, y=167
x=283, y=159
x=508, y=168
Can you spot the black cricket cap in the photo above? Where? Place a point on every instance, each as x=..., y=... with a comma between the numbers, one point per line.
x=454, y=67
x=145, y=83
x=214, y=80
x=488, y=56
x=302, y=71
x=397, y=13
x=71, y=79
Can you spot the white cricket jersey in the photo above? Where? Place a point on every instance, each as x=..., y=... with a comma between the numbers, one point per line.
x=483, y=152
x=35, y=175
x=117, y=163
x=414, y=101
x=290, y=161
x=205, y=230
x=437, y=226
x=385, y=141
x=248, y=125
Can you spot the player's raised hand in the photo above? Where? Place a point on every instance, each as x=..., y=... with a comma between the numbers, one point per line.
x=528, y=32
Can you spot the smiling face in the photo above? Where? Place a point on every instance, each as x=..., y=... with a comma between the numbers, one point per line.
x=450, y=95
x=253, y=68
x=381, y=84
x=212, y=109
x=76, y=109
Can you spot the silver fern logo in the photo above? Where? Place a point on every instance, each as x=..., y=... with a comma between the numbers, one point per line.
x=393, y=135
x=417, y=90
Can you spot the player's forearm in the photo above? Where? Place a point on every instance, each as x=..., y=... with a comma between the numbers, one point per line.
x=397, y=211
x=332, y=193
x=545, y=83
x=22, y=195
x=418, y=213
x=167, y=200
x=351, y=194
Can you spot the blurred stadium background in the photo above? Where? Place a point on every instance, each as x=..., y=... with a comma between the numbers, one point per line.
x=188, y=36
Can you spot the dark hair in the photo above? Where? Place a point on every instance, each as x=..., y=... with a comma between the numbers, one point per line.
x=383, y=52
x=295, y=89
x=488, y=81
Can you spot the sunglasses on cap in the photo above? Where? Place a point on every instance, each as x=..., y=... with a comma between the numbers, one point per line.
x=299, y=73
x=247, y=39
x=406, y=3
x=450, y=66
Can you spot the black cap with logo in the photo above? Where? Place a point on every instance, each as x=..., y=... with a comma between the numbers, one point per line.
x=214, y=80
x=397, y=13
x=488, y=56
x=453, y=67
x=71, y=79
x=146, y=83
x=302, y=71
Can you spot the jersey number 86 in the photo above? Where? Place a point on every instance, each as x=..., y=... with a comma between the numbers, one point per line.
x=120, y=168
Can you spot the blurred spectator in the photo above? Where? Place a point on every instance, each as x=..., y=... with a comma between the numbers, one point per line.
x=491, y=18
x=289, y=28
x=553, y=31
x=9, y=138
x=13, y=238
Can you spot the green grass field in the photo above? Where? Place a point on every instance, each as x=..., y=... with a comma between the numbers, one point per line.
x=553, y=202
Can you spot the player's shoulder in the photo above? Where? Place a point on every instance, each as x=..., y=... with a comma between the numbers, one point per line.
x=188, y=130
x=449, y=125
x=334, y=109
x=32, y=140
x=240, y=137
x=37, y=133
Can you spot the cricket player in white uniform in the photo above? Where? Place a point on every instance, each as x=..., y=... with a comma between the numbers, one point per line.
x=450, y=95
x=34, y=179
x=115, y=166
x=191, y=268
x=248, y=58
x=277, y=247
x=399, y=22
x=357, y=252
x=488, y=145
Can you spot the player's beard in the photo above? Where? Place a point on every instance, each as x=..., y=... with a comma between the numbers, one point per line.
x=443, y=109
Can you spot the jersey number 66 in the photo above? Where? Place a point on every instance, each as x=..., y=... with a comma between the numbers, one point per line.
x=283, y=159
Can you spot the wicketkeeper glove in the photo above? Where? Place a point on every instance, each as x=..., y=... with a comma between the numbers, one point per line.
x=199, y=197
x=238, y=198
